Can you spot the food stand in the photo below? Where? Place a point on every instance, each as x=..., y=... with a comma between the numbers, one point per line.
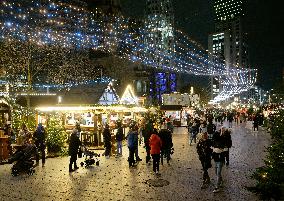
x=90, y=118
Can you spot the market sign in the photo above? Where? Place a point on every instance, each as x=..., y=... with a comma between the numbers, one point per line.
x=180, y=99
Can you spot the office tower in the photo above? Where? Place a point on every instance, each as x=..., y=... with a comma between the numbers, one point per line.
x=228, y=43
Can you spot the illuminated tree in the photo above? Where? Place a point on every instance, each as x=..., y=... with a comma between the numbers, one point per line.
x=270, y=177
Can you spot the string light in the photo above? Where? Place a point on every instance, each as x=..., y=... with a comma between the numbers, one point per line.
x=47, y=23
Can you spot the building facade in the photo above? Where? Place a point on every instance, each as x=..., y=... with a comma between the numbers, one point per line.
x=229, y=26
x=160, y=43
x=228, y=44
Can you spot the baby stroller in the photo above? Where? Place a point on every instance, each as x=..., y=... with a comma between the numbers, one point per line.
x=22, y=160
x=91, y=157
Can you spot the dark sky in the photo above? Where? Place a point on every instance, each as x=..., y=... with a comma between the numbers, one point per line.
x=264, y=24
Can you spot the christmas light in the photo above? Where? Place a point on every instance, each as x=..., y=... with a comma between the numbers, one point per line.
x=53, y=24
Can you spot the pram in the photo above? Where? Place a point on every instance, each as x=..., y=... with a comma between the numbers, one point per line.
x=91, y=157
x=22, y=160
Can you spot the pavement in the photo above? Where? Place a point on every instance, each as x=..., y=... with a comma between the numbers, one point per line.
x=114, y=180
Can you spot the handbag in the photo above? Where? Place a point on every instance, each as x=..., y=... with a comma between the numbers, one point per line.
x=80, y=153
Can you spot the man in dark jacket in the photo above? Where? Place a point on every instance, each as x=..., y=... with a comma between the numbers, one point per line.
x=107, y=141
x=74, y=145
x=39, y=139
x=226, y=135
x=147, y=132
x=211, y=128
x=166, y=137
x=119, y=138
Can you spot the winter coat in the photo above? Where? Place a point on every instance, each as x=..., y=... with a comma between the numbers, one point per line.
x=227, y=139
x=119, y=134
x=74, y=144
x=146, y=133
x=194, y=130
x=155, y=144
x=211, y=128
x=218, y=141
x=166, y=137
x=204, y=152
x=107, y=137
x=39, y=136
x=132, y=139
x=218, y=147
x=255, y=121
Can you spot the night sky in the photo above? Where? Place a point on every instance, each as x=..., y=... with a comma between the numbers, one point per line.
x=264, y=21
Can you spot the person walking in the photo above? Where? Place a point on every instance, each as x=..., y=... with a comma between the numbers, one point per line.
x=119, y=138
x=226, y=134
x=211, y=128
x=255, y=122
x=107, y=141
x=74, y=145
x=193, y=132
x=167, y=144
x=218, y=156
x=230, y=119
x=136, y=153
x=204, y=152
x=156, y=145
x=132, y=143
x=39, y=138
x=146, y=132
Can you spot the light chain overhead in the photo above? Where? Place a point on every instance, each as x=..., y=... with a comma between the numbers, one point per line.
x=70, y=25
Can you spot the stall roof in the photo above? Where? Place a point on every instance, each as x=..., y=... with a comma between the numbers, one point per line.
x=84, y=94
x=171, y=107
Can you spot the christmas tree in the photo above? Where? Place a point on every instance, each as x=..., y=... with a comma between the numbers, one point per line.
x=270, y=177
x=56, y=134
x=21, y=115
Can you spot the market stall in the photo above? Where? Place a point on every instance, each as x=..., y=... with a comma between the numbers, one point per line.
x=91, y=119
x=173, y=111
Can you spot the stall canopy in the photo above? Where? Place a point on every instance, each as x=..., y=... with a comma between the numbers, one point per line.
x=84, y=94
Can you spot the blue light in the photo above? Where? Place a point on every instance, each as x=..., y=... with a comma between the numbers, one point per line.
x=9, y=24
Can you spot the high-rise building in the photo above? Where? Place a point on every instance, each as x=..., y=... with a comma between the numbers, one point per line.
x=228, y=44
x=159, y=25
x=229, y=25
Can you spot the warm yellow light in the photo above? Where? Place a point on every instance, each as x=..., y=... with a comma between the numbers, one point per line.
x=128, y=96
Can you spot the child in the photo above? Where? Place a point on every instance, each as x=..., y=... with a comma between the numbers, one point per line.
x=155, y=145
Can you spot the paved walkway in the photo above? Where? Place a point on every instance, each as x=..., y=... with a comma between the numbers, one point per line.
x=113, y=180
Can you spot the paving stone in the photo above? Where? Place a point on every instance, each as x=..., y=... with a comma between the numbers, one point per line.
x=113, y=180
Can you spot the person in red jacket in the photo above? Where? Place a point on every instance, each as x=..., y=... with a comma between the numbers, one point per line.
x=155, y=145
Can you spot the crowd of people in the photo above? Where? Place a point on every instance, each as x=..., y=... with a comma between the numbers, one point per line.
x=211, y=143
x=206, y=130
x=157, y=141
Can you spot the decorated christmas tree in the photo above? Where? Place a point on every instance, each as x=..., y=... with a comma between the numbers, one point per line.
x=56, y=134
x=270, y=177
x=21, y=115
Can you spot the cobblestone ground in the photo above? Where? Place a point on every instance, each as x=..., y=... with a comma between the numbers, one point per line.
x=113, y=180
